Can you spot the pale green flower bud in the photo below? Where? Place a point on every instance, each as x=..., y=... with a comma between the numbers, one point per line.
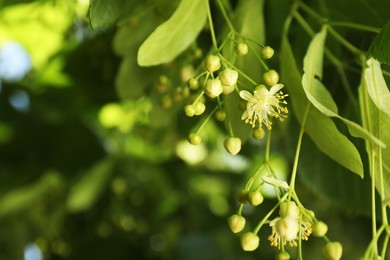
x=228, y=77
x=258, y=133
x=220, y=115
x=232, y=145
x=189, y=110
x=271, y=77
x=320, y=229
x=228, y=89
x=236, y=223
x=333, y=250
x=241, y=49
x=193, y=83
x=213, y=88
x=255, y=198
x=200, y=107
x=250, y=241
x=282, y=256
x=212, y=63
x=289, y=209
x=267, y=52
x=194, y=138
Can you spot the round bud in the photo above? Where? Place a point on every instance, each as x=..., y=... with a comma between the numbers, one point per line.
x=194, y=138
x=220, y=115
x=288, y=209
x=232, y=145
x=282, y=256
x=255, y=198
x=320, y=229
x=200, y=107
x=287, y=228
x=166, y=101
x=185, y=92
x=163, y=80
x=243, y=196
x=189, y=110
x=241, y=49
x=228, y=77
x=258, y=133
x=250, y=241
x=267, y=52
x=308, y=216
x=236, y=223
x=193, y=83
x=228, y=89
x=213, y=88
x=198, y=53
x=212, y=63
x=271, y=77
x=333, y=250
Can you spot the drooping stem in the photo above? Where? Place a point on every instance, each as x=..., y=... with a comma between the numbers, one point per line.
x=211, y=25
x=226, y=17
x=298, y=149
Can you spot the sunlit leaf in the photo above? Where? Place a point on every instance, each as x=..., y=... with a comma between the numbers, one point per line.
x=87, y=190
x=376, y=86
x=317, y=93
x=321, y=129
x=38, y=26
x=377, y=122
x=175, y=35
x=379, y=48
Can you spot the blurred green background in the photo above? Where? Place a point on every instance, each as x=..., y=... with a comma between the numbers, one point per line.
x=94, y=162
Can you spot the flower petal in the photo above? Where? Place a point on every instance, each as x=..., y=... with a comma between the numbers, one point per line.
x=276, y=88
x=246, y=95
x=245, y=115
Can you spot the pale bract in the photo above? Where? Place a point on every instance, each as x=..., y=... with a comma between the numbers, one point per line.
x=263, y=105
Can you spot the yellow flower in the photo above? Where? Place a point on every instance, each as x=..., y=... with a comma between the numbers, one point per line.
x=287, y=230
x=263, y=104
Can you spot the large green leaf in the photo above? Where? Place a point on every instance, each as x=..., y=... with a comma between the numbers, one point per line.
x=377, y=122
x=376, y=85
x=88, y=189
x=317, y=93
x=175, y=35
x=104, y=13
x=321, y=129
x=379, y=48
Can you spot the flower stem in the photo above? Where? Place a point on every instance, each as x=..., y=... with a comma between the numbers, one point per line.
x=226, y=17
x=298, y=149
x=212, y=32
x=266, y=217
x=238, y=70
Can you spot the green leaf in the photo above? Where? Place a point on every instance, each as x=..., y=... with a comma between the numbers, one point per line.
x=317, y=93
x=88, y=189
x=379, y=48
x=377, y=122
x=376, y=86
x=131, y=79
x=175, y=35
x=249, y=22
x=321, y=129
x=22, y=198
x=103, y=13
